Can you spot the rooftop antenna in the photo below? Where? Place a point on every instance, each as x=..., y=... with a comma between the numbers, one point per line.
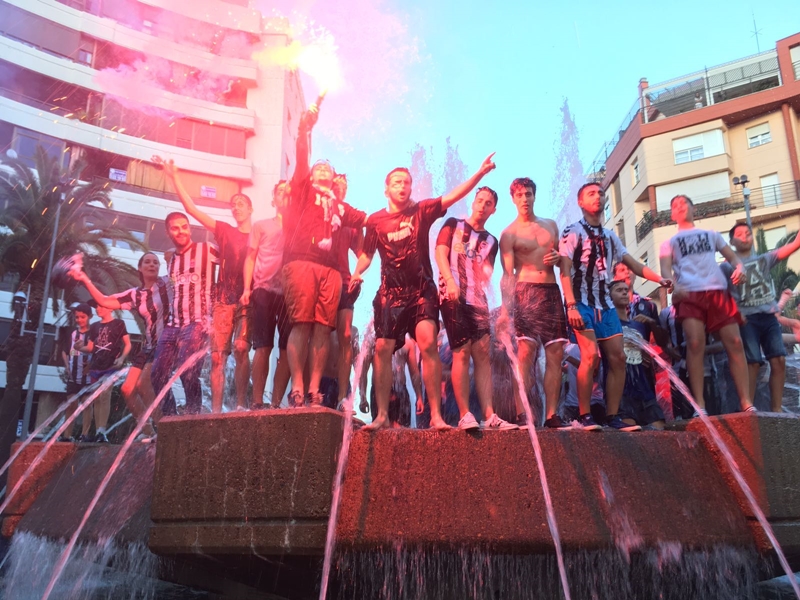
x=755, y=32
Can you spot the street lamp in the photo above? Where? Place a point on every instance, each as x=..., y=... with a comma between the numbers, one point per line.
x=743, y=181
x=37, y=348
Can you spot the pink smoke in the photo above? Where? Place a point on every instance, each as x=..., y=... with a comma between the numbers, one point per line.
x=376, y=50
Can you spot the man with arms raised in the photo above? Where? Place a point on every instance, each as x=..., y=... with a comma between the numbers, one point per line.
x=191, y=270
x=758, y=303
x=406, y=301
x=465, y=254
x=229, y=317
x=588, y=252
x=312, y=284
x=528, y=253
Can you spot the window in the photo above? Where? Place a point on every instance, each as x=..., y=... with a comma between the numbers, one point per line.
x=643, y=260
x=698, y=146
x=26, y=141
x=770, y=189
x=621, y=232
x=684, y=156
x=758, y=135
x=607, y=212
x=635, y=172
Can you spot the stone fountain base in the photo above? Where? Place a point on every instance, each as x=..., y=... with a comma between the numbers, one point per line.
x=244, y=499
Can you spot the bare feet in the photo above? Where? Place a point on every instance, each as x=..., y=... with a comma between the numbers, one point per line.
x=439, y=425
x=379, y=423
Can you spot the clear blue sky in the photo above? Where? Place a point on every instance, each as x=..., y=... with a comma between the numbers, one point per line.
x=493, y=78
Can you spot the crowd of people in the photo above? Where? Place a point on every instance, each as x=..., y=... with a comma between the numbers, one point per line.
x=290, y=275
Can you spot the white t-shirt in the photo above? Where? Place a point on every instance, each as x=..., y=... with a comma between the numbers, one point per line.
x=694, y=261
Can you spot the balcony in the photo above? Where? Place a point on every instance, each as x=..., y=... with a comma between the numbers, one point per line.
x=772, y=197
x=695, y=91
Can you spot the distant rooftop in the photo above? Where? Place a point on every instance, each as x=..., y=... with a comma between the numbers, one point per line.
x=712, y=85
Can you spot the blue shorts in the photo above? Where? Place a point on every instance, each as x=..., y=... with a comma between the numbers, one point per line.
x=604, y=322
x=762, y=332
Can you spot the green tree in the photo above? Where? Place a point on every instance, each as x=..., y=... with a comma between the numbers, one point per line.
x=30, y=199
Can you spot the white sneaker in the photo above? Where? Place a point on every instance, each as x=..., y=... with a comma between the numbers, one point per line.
x=468, y=422
x=495, y=423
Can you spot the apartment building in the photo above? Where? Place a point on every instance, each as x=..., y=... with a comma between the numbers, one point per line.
x=693, y=135
x=115, y=82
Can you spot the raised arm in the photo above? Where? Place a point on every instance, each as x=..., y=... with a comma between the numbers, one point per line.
x=171, y=171
x=465, y=188
x=302, y=148
x=106, y=301
x=787, y=250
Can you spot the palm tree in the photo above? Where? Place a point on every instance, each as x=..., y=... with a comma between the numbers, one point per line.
x=28, y=202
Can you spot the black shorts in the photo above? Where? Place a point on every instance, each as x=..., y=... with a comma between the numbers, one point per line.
x=464, y=323
x=268, y=313
x=347, y=301
x=397, y=314
x=539, y=313
x=143, y=357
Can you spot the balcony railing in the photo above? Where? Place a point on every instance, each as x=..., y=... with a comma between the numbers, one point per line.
x=773, y=196
x=695, y=91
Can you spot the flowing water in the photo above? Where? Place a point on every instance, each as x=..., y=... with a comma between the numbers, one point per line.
x=107, y=383
x=344, y=451
x=537, y=450
x=725, y=452
x=62, y=561
x=38, y=431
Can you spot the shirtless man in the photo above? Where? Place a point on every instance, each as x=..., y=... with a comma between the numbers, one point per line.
x=528, y=253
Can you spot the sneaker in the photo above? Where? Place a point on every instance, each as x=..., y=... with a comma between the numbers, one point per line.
x=295, y=400
x=260, y=406
x=495, y=423
x=556, y=422
x=84, y=439
x=66, y=438
x=703, y=412
x=614, y=422
x=522, y=421
x=468, y=422
x=751, y=409
x=314, y=399
x=100, y=438
x=364, y=406
x=586, y=422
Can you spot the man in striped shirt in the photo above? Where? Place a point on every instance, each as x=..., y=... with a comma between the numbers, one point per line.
x=465, y=255
x=588, y=252
x=191, y=271
x=230, y=329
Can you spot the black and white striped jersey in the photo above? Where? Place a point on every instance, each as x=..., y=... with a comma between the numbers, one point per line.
x=593, y=251
x=153, y=305
x=192, y=275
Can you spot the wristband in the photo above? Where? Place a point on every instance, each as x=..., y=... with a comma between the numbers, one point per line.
x=572, y=305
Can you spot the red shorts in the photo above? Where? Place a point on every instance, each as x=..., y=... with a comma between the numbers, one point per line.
x=715, y=308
